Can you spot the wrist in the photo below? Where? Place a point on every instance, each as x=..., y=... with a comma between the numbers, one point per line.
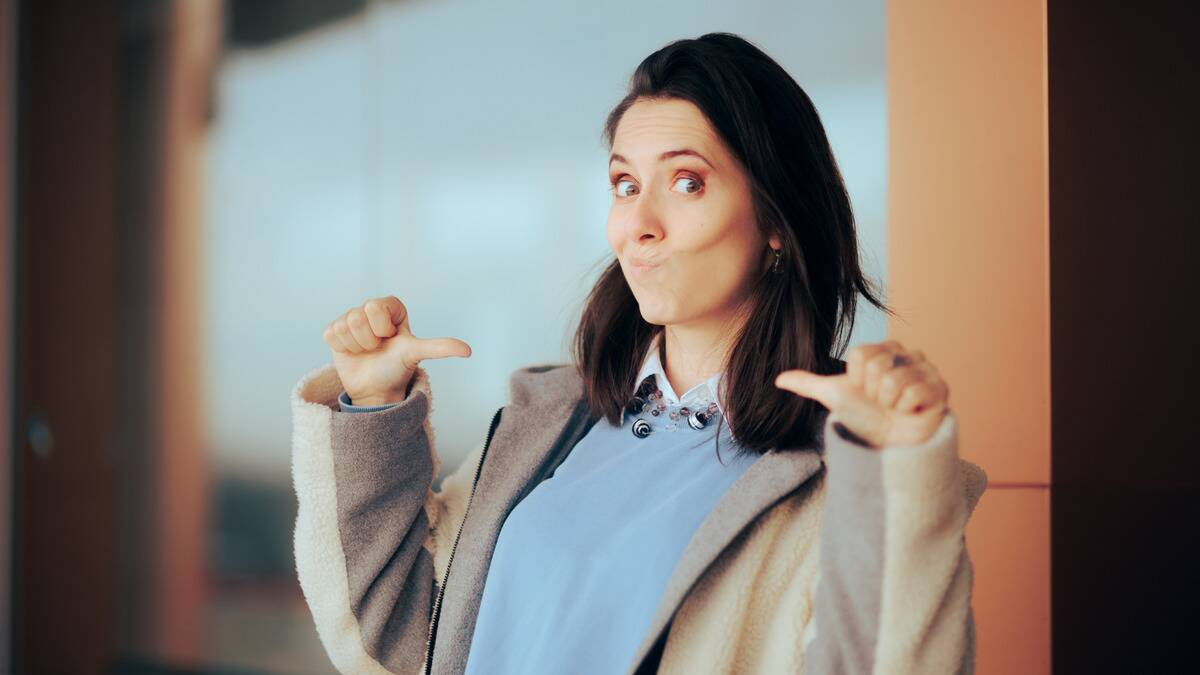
x=367, y=401
x=386, y=398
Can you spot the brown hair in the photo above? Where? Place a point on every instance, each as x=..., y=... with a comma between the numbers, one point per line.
x=801, y=317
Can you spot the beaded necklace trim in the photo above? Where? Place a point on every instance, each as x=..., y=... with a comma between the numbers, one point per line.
x=648, y=404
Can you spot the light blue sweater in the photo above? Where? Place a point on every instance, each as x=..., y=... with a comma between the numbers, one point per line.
x=581, y=562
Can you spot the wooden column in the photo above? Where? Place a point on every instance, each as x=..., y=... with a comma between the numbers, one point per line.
x=1125, y=235
x=8, y=229
x=183, y=470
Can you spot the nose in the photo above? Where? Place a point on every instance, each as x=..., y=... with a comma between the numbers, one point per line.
x=643, y=219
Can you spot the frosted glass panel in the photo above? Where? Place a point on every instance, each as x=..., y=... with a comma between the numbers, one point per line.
x=449, y=153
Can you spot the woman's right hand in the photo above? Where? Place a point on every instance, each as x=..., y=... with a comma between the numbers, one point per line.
x=376, y=354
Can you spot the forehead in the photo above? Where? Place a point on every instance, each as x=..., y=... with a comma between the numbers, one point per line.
x=650, y=126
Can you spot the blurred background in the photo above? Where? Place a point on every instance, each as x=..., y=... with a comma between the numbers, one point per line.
x=190, y=190
x=234, y=175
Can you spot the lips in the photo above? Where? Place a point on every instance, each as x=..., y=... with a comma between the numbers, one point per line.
x=640, y=267
x=643, y=263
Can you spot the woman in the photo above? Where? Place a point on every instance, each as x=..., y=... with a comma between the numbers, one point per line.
x=591, y=532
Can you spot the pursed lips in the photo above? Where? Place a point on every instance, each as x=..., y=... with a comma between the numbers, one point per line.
x=641, y=265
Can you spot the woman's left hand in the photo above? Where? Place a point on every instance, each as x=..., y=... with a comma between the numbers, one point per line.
x=888, y=395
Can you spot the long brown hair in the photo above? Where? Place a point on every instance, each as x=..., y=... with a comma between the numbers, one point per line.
x=801, y=317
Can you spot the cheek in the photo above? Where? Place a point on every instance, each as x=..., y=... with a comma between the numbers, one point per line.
x=725, y=251
x=612, y=233
x=710, y=234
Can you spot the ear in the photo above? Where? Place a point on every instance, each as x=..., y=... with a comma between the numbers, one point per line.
x=774, y=241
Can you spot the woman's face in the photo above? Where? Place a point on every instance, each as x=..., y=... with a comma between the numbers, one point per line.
x=682, y=221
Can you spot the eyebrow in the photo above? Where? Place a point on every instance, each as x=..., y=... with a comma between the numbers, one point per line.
x=666, y=155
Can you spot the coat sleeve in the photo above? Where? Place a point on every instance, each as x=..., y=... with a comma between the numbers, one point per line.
x=894, y=589
x=371, y=536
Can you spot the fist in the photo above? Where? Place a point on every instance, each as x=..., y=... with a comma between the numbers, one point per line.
x=376, y=354
x=889, y=395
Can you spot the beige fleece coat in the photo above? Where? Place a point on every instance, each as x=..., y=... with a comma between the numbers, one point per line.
x=895, y=597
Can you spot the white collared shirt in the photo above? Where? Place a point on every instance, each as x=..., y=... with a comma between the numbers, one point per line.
x=703, y=392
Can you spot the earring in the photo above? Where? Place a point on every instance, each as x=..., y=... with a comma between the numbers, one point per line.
x=778, y=255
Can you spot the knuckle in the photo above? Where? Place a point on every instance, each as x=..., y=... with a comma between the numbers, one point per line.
x=929, y=372
x=890, y=381
x=356, y=318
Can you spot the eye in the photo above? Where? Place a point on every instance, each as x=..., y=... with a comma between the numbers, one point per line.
x=694, y=183
x=623, y=193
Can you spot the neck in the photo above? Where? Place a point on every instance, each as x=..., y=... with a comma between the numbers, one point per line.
x=696, y=351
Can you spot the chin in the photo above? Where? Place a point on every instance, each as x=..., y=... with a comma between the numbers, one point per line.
x=655, y=321
x=655, y=316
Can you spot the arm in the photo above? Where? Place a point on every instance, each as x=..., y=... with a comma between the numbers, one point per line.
x=367, y=531
x=894, y=594
x=449, y=504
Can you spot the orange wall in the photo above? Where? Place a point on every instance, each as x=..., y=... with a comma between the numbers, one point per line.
x=968, y=259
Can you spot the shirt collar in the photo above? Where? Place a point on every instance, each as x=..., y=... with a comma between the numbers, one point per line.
x=652, y=365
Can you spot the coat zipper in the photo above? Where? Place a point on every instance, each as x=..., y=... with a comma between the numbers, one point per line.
x=437, y=604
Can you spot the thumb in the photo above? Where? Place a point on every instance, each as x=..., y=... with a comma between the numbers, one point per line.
x=438, y=348
x=823, y=388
